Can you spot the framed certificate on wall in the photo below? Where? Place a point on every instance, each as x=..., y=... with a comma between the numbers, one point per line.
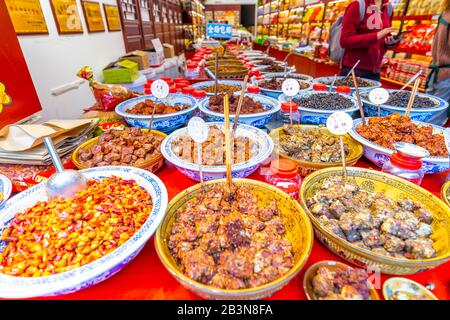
x=27, y=16
x=112, y=17
x=66, y=16
x=93, y=16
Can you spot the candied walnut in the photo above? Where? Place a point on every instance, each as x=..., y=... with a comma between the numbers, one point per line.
x=419, y=249
x=400, y=228
x=337, y=209
x=223, y=280
x=332, y=225
x=323, y=282
x=239, y=263
x=371, y=238
x=392, y=243
x=198, y=265
x=424, y=230
x=423, y=215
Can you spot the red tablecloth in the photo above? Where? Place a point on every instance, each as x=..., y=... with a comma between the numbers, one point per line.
x=146, y=278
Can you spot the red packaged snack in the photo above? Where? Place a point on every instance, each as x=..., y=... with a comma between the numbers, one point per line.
x=108, y=96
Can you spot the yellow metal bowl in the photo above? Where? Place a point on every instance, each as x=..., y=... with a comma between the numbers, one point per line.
x=445, y=193
x=307, y=167
x=153, y=164
x=332, y=266
x=298, y=232
x=394, y=187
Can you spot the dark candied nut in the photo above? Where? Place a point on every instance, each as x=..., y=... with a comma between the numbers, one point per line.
x=198, y=265
x=373, y=221
x=419, y=249
x=248, y=104
x=130, y=146
x=348, y=82
x=325, y=101
x=85, y=155
x=222, y=243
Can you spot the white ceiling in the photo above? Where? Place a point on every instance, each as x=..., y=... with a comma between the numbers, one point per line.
x=210, y=2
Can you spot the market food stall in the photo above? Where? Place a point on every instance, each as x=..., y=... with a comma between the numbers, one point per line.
x=251, y=176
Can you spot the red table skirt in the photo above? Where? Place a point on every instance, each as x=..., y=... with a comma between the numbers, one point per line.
x=146, y=278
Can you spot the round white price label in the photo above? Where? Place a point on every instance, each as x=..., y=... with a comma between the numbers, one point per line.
x=160, y=89
x=339, y=123
x=378, y=96
x=290, y=87
x=197, y=129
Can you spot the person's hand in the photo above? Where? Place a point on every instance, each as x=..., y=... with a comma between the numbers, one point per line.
x=391, y=40
x=383, y=33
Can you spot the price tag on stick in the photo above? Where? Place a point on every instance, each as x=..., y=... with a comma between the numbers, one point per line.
x=160, y=89
x=340, y=123
x=198, y=130
x=290, y=88
x=378, y=97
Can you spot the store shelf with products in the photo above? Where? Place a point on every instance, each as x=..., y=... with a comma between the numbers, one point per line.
x=196, y=11
x=308, y=25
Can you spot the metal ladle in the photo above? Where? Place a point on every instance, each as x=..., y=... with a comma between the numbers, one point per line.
x=63, y=183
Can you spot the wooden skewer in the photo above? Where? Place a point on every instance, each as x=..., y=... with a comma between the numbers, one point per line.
x=343, y=156
x=200, y=160
x=150, y=125
x=412, y=97
x=216, y=72
x=239, y=106
x=290, y=112
x=227, y=141
x=358, y=97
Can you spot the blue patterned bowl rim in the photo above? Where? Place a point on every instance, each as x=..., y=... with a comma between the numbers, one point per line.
x=204, y=84
x=257, y=82
x=290, y=69
x=18, y=287
x=377, y=84
x=282, y=98
x=273, y=104
x=265, y=149
x=5, y=188
x=291, y=75
x=261, y=67
x=441, y=104
x=121, y=108
x=366, y=143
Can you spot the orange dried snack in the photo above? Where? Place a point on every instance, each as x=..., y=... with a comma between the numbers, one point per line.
x=59, y=235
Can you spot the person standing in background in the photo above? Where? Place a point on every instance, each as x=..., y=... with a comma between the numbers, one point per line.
x=366, y=39
x=438, y=81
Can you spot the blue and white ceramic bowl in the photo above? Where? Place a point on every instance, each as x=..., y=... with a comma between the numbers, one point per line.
x=258, y=120
x=263, y=147
x=257, y=60
x=436, y=115
x=5, y=189
x=276, y=93
x=378, y=155
x=205, y=84
x=328, y=80
x=318, y=116
x=162, y=122
x=98, y=270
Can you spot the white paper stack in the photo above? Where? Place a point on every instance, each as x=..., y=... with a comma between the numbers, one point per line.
x=23, y=144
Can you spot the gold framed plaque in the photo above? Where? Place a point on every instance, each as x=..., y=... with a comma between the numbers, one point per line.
x=93, y=16
x=27, y=16
x=112, y=17
x=66, y=16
